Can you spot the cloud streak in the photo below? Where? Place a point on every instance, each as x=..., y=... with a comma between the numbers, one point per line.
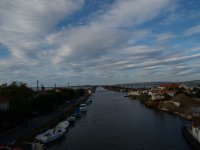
x=120, y=39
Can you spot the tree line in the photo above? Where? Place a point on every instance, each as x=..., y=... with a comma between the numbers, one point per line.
x=24, y=102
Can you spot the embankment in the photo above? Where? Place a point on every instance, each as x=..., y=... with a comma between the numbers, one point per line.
x=52, y=122
x=179, y=105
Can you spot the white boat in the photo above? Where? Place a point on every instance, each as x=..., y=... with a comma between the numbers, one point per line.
x=192, y=134
x=63, y=124
x=71, y=119
x=88, y=102
x=77, y=114
x=83, y=107
x=51, y=135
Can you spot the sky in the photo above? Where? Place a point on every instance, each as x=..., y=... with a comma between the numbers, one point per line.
x=99, y=41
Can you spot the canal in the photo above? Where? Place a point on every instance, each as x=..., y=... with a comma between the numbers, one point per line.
x=114, y=122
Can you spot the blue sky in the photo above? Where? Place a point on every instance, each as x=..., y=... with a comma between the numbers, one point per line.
x=99, y=42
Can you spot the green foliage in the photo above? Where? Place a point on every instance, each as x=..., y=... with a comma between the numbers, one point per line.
x=80, y=92
x=68, y=93
x=180, y=90
x=195, y=92
x=4, y=90
x=144, y=97
x=196, y=89
x=20, y=95
x=43, y=103
x=21, y=98
x=24, y=101
x=46, y=101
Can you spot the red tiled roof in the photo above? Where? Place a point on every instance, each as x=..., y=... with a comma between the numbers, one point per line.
x=174, y=85
x=4, y=99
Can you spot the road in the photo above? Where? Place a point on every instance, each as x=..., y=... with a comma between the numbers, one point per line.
x=12, y=136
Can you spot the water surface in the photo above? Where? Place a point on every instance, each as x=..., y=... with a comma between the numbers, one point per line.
x=114, y=122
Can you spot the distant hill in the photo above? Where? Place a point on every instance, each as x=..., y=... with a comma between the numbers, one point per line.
x=192, y=83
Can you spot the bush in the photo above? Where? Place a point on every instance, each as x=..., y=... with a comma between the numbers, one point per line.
x=20, y=95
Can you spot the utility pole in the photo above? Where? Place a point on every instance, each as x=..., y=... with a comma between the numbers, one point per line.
x=37, y=85
x=68, y=84
x=55, y=85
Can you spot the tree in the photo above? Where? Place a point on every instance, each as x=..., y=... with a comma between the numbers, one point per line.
x=21, y=96
x=80, y=92
x=68, y=93
x=4, y=89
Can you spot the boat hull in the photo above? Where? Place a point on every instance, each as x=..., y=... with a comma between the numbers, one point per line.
x=191, y=140
x=48, y=136
x=53, y=138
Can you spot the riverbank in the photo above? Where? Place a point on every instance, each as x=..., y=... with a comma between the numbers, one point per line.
x=180, y=105
x=112, y=117
x=52, y=122
x=41, y=124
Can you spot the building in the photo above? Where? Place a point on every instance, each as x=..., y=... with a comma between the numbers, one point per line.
x=133, y=93
x=156, y=94
x=169, y=89
x=172, y=88
x=4, y=103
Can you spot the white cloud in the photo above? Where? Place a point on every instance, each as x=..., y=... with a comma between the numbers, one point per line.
x=24, y=23
x=108, y=46
x=192, y=31
x=106, y=32
x=129, y=12
x=164, y=36
x=195, y=49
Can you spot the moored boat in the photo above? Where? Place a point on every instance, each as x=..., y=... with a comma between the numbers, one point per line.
x=63, y=124
x=71, y=119
x=191, y=132
x=88, y=102
x=83, y=107
x=77, y=114
x=51, y=135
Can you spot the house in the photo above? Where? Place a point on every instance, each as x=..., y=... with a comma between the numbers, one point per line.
x=133, y=93
x=183, y=86
x=145, y=91
x=156, y=94
x=172, y=88
x=157, y=97
x=4, y=103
